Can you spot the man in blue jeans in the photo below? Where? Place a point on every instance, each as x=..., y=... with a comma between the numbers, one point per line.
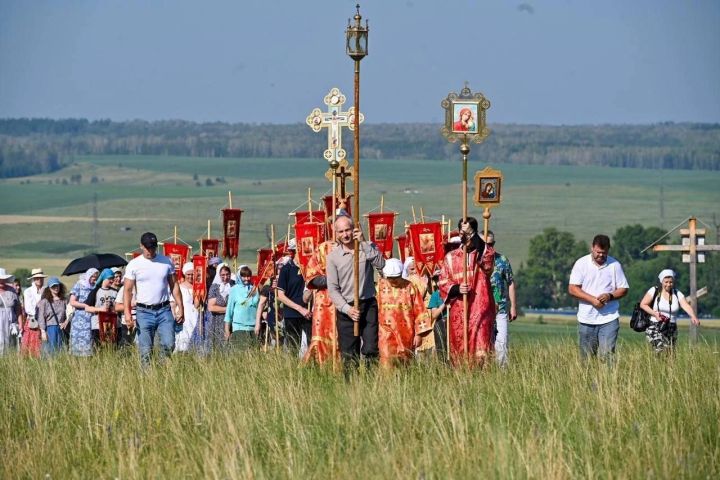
x=152, y=276
x=598, y=281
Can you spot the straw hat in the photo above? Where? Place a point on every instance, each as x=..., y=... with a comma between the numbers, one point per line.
x=36, y=273
x=6, y=277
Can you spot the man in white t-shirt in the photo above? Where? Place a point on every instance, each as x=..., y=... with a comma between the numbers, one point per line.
x=597, y=281
x=152, y=276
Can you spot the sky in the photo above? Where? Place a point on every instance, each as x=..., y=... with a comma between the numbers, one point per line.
x=552, y=62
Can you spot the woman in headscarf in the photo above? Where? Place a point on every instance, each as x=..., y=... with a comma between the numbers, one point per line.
x=662, y=303
x=217, y=303
x=183, y=338
x=242, y=311
x=10, y=310
x=81, y=325
x=102, y=297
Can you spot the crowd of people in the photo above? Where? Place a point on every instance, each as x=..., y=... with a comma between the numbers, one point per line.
x=311, y=312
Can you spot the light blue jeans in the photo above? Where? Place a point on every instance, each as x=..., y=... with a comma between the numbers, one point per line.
x=149, y=322
x=598, y=340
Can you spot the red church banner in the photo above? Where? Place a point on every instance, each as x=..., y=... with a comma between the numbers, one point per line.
x=340, y=204
x=178, y=254
x=427, y=246
x=264, y=265
x=402, y=246
x=200, y=277
x=308, y=237
x=231, y=232
x=380, y=228
x=305, y=217
x=210, y=247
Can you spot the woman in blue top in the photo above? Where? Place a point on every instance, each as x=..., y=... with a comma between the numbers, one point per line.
x=81, y=325
x=241, y=311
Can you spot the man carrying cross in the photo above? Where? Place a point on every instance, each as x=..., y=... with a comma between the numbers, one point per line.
x=341, y=288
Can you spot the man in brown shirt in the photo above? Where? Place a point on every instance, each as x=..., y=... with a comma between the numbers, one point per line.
x=341, y=287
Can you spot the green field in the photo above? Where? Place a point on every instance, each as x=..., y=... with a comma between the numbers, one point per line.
x=262, y=416
x=159, y=193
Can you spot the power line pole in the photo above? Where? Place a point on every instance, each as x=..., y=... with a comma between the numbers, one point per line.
x=96, y=223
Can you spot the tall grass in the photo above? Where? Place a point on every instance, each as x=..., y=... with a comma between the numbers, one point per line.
x=263, y=416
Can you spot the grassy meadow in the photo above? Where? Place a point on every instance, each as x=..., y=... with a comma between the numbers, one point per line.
x=49, y=224
x=254, y=415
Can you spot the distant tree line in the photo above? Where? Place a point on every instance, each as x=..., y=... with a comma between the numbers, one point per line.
x=30, y=146
x=543, y=280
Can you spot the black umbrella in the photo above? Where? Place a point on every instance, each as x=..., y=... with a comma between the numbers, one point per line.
x=94, y=260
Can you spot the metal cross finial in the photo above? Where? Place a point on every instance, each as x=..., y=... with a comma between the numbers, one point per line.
x=334, y=119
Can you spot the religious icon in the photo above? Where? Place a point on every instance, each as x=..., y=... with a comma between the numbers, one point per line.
x=198, y=272
x=487, y=186
x=380, y=232
x=465, y=117
x=177, y=260
x=307, y=244
x=231, y=228
x=209, y=252
x=427, y=243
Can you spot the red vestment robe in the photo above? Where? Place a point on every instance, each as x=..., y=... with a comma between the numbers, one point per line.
x=401, y=315
x=324, y=334
x=481, y=304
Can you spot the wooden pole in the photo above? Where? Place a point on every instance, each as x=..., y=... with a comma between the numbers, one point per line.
x=275, y=299
x=208, y=228
x=486, y=223
x=692, y=226
x=412, y=207
x=175, y=234
x=230, y=199
x=356, y=188
x=422, y=215
x=382, y=203
x=310, y=203
x=465, y=150
x=334, y=200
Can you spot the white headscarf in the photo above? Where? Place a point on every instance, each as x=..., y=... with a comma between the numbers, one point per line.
x=90, y=272
x=409, y=261
x=224, y=287
x=666, y=273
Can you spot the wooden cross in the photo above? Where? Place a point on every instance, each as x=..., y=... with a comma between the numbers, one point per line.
x=343, y=174
x=334, y=119
x=693, y=252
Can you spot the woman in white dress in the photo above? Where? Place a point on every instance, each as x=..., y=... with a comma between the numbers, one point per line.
x=184, y=337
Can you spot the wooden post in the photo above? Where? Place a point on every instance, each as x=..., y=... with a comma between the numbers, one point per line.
x=230, y=199
x=275, y=300
x=356, y=185
x=465, y=150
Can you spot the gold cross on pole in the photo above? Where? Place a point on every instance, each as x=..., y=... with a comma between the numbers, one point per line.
x=334, y=119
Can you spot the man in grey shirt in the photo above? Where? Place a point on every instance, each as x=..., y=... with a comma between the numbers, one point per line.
x=341, y=287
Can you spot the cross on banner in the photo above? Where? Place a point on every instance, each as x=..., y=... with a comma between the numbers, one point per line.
x=334, y=119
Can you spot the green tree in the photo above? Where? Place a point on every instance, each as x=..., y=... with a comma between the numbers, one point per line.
x=543, y=281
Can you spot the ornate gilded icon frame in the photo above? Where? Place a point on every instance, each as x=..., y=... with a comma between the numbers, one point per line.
x=456, y=125
x=488, y=187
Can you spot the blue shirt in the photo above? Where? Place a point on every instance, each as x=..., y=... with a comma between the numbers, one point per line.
x=242, y=308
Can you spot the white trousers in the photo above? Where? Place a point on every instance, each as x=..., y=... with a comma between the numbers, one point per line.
x=501, y=339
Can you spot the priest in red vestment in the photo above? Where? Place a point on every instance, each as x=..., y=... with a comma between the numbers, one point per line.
x=323, y=344
x=481, y=305
x=403, y=319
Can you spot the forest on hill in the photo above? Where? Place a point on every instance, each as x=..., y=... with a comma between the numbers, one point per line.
x=32, y=146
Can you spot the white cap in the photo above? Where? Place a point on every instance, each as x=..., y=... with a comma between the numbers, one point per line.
x=187, y=268
x=292, y=244
x=666, y=273
x=393, y=268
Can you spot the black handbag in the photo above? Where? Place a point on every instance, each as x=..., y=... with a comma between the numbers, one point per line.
x=640, y=319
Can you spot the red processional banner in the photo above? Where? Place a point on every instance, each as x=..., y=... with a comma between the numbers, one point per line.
x=108, y=322
x=427, y=246
x=308, y=237
x=305, y=216
x=231, y=232
x=402, y=246
x=340, y=204
x=200, y=277
x=178, y=254
x=209, y=247
x=265, y=265
x=380, y=228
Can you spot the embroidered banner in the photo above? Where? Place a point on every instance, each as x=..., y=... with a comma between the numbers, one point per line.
x=178, y=254
x=427, y=246
x=403, y=247
x=231, y=232
x=380, y=228
x=304, y=216
x=108, y=322
x=265, y=265
x=210, y=247
x=200, y=277
x=308, y=236
x=340, y=204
